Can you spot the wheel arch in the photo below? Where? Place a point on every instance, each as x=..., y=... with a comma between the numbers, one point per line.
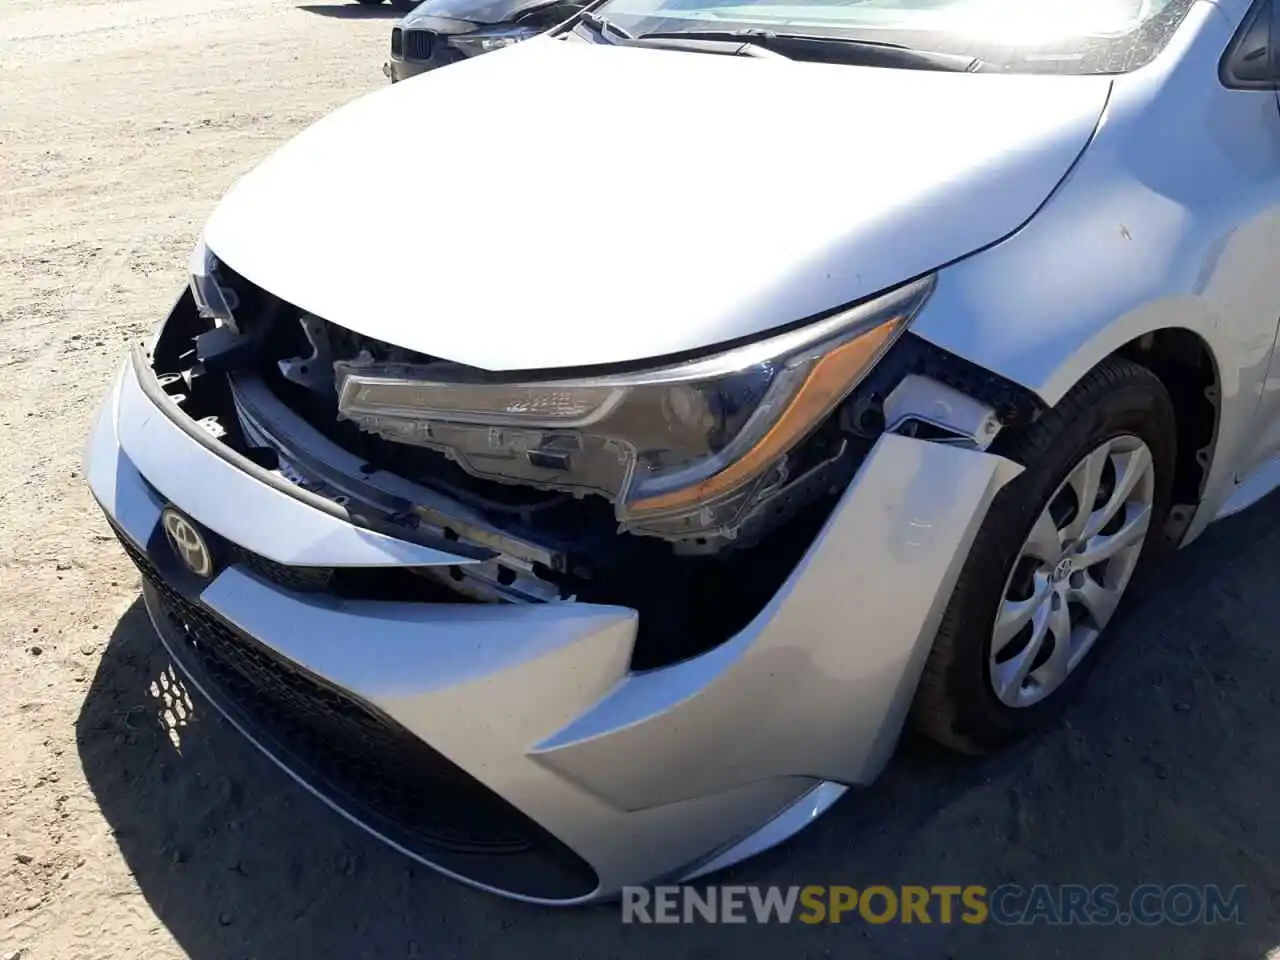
x=1185, y=360
x=1186, y=365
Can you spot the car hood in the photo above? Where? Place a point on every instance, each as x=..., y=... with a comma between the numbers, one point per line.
x=579, y=204
x=431, y=12
x=448, y=26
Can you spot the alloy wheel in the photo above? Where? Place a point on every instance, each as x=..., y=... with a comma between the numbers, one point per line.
x=1072, y=571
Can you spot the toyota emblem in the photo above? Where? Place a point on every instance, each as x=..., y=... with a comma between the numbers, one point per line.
x=187, y=543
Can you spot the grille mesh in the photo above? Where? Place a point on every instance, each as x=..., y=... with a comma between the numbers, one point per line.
x=301, y=579
x=418, y=44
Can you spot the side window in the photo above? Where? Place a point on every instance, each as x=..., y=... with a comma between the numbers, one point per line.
x=1251, y=62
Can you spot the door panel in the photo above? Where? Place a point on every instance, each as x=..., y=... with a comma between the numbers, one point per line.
x=1267, y=420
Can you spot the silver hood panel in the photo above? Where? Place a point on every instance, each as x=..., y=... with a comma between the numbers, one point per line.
x=580, y=204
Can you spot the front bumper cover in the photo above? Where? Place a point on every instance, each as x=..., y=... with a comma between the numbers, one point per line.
x=662, y=774
x=396, y=69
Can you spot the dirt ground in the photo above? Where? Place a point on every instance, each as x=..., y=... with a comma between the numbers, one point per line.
x=133, y=824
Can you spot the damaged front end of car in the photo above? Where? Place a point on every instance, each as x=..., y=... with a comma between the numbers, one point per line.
x=687, y=490
x=427, y=593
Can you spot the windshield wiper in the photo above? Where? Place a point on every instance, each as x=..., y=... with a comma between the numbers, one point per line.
x=742, y=46
x=800, y=46
x=739, y=47
x=603, y=27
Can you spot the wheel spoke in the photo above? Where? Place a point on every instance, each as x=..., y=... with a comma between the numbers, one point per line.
x=1045, y=542
x=1130, y=468
x=1098, y=600
x=1010, y=676
x=1104, y=546
x=1085, y=481
x=1053, y=671
x=1016, y=614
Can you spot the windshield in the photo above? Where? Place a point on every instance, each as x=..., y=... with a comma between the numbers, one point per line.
x=1041, y=36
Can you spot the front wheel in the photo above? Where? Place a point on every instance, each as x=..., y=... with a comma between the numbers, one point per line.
x=1052, y=561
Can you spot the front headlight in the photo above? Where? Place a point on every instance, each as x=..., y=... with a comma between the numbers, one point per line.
x=213, y=300
x=682, y=451
x=473, y=44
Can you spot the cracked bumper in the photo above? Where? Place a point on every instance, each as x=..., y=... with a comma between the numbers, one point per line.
x=644, y=776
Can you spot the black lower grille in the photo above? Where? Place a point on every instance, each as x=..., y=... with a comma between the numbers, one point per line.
x=418, y=44
x=401, y=584
x=364, y=762
x=301, y=579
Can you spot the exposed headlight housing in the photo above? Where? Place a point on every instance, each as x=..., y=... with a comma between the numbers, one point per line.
x=683, y=451
x=214, y=301
x=486, y=41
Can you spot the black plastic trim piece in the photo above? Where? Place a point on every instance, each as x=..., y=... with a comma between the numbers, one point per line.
x=1250, y=61
x=1013, y=404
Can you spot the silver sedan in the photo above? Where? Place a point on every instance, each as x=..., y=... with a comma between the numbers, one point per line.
x=770, y=376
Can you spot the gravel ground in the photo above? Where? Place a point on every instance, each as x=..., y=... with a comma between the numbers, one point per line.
x=135, y=825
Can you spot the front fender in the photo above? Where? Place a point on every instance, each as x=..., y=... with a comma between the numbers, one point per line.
x=1133, y=243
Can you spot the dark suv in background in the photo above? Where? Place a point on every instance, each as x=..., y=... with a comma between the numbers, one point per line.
x=443, y=31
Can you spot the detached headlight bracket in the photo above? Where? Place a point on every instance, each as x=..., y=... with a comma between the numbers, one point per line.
x=213, y=299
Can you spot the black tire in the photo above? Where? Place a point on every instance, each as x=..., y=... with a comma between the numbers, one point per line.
x=955, y=703
x=369, y=3
x=405, y=6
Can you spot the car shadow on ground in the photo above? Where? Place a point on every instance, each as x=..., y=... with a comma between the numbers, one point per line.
x=352, y=11
x=1165, y=771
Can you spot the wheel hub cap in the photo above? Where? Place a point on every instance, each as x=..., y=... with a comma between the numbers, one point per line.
x=1061, y=570
x=1071, y=571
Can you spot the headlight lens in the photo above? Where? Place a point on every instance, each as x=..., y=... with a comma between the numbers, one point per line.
x=682, y=451
x=213, y=300
x=473, y=44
